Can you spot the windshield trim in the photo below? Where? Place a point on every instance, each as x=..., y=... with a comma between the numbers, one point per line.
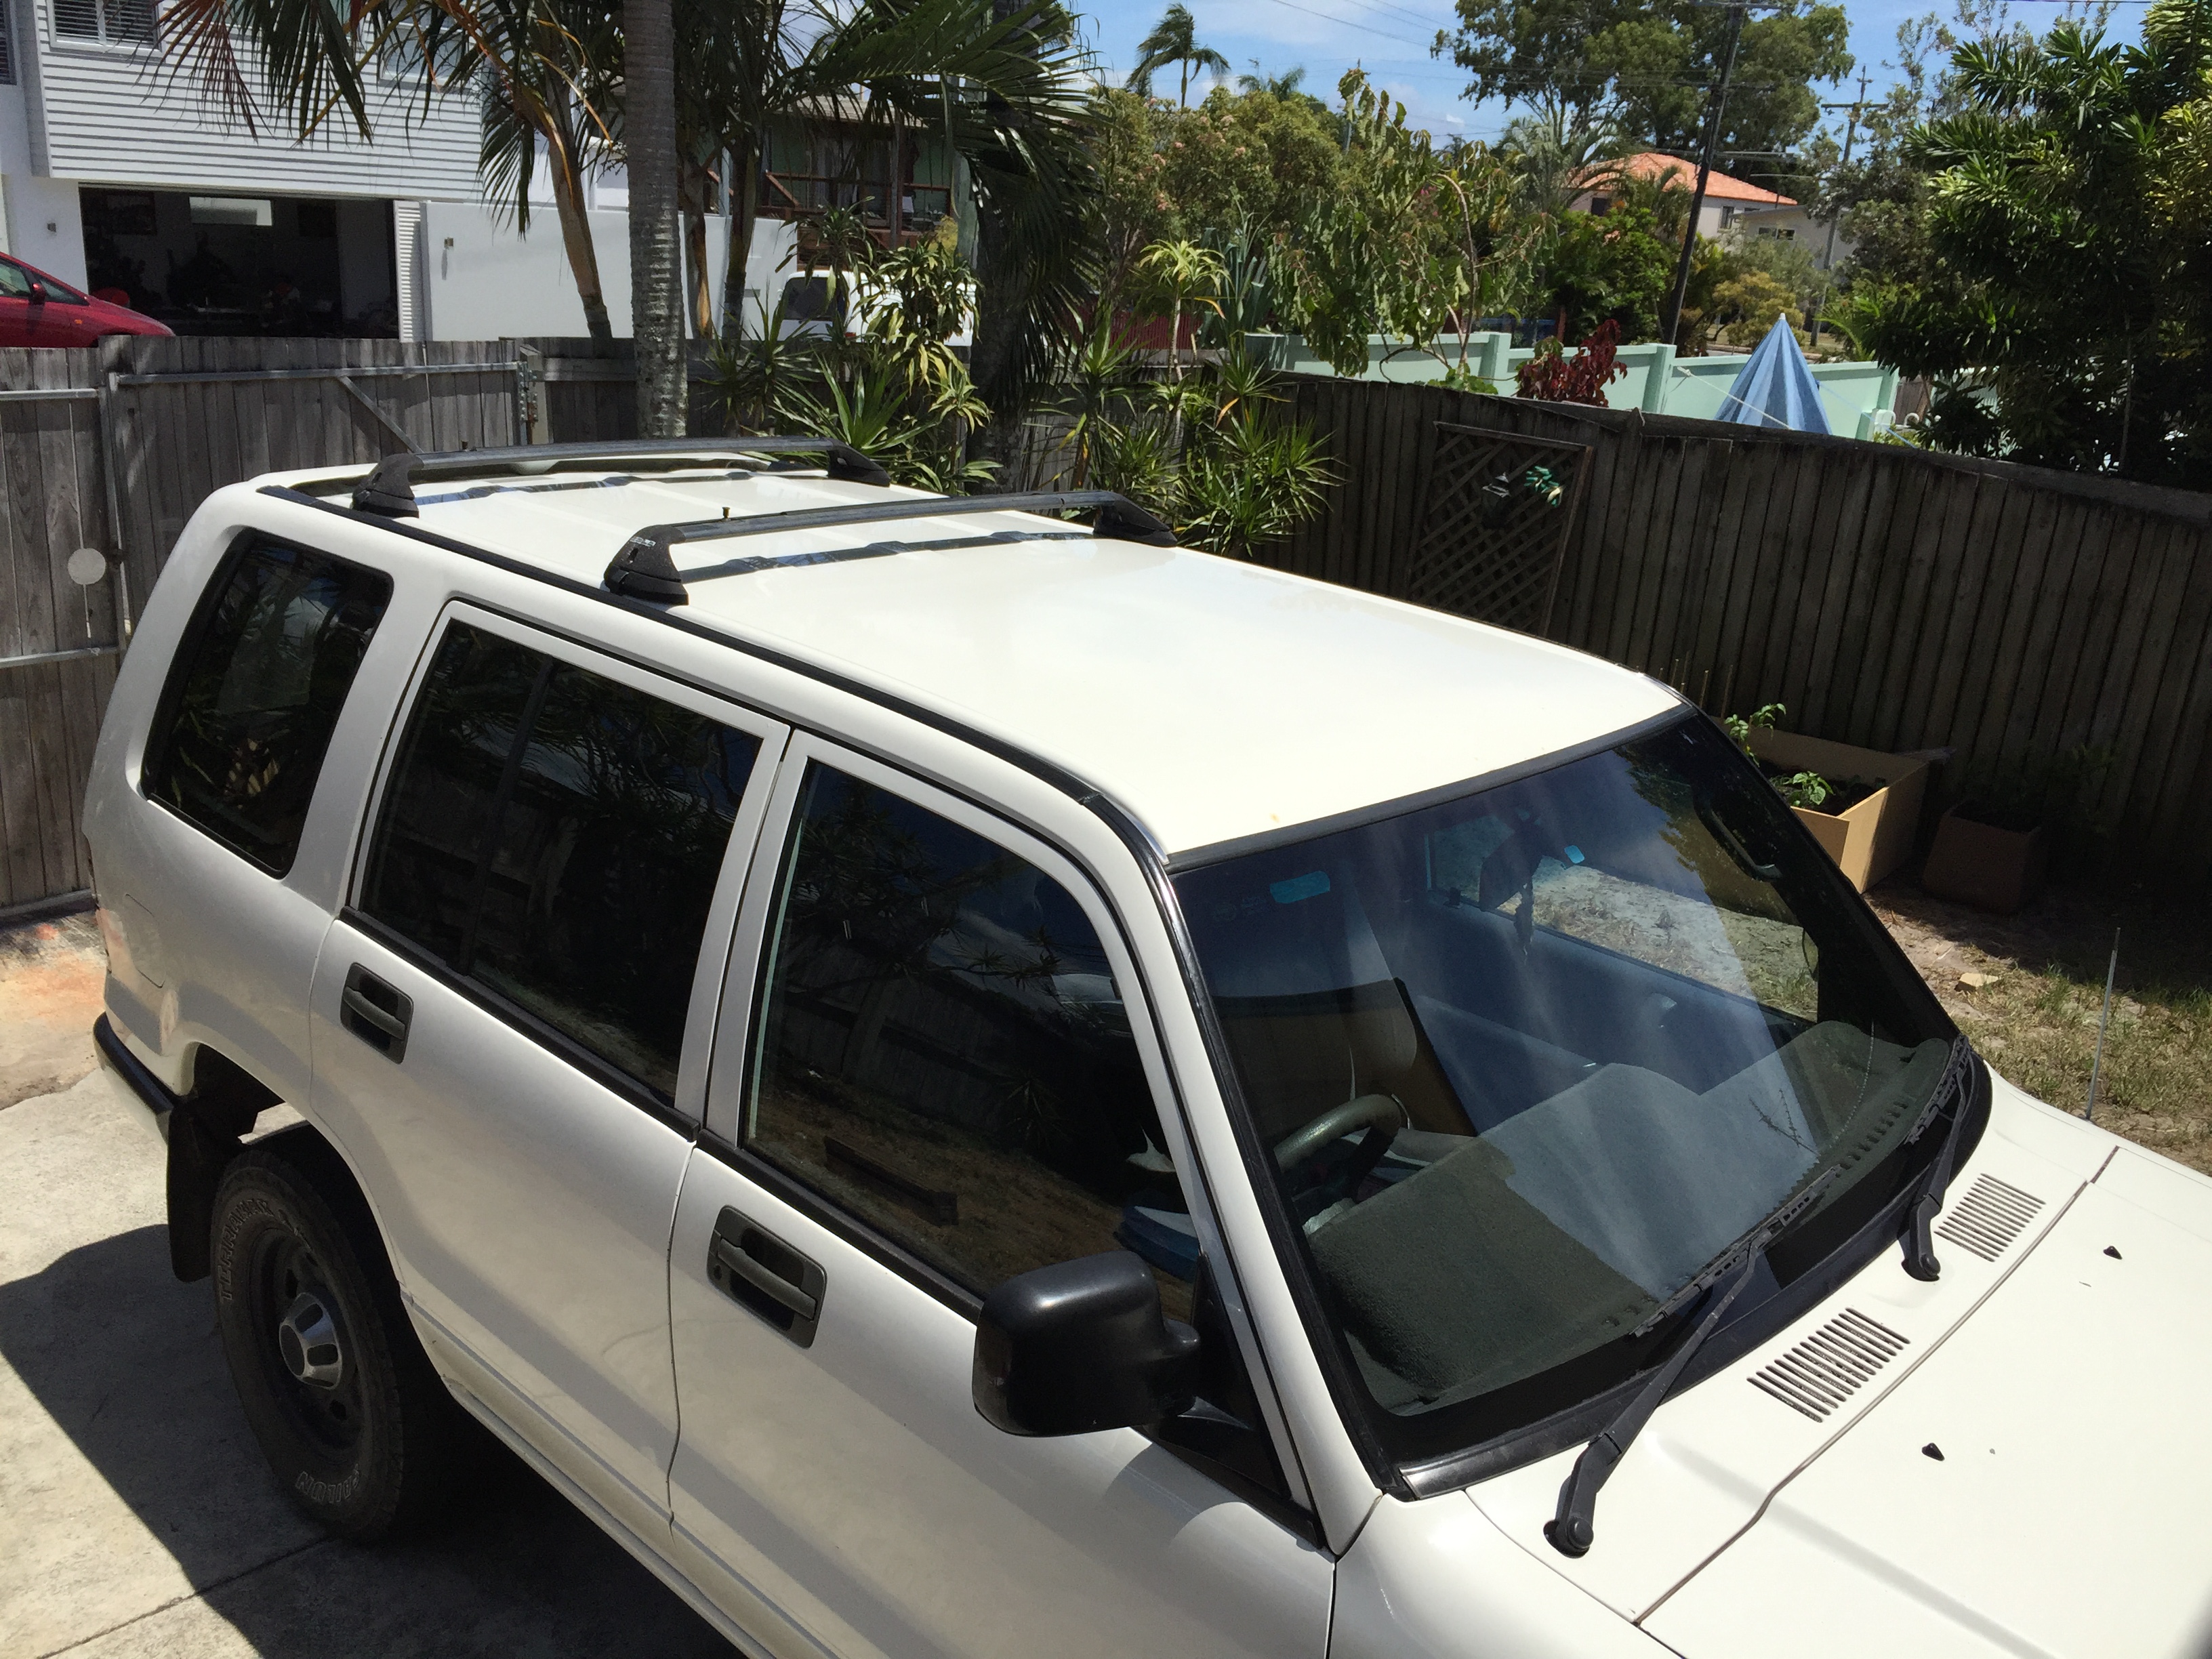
x=1360, y=818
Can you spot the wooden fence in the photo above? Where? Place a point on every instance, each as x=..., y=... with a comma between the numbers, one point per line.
x=1889, y=597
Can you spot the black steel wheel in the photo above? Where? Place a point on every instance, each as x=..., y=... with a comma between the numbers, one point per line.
x=361, y=1432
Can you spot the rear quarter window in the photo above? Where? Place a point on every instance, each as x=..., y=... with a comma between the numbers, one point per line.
x=256, y=691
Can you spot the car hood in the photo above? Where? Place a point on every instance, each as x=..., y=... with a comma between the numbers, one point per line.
x=1785, y=1503
x=2039, y=1483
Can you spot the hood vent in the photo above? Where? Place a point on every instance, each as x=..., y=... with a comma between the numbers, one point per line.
x=1989, y=1217
x=1830, y=1366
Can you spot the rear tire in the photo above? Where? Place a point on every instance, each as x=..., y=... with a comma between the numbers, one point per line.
x=361, y=1434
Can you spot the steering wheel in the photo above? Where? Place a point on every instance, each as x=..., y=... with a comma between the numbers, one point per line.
x=1362, y=1112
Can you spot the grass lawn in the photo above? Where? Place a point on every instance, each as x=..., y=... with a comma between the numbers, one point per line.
x=2026, y=990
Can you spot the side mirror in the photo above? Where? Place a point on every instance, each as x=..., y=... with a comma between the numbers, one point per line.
x=1080, y=1346
x=38, y=292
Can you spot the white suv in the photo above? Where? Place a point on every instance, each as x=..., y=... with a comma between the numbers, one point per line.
x=969, y=1085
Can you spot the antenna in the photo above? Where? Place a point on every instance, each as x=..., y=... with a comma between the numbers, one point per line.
x=2097, y=1064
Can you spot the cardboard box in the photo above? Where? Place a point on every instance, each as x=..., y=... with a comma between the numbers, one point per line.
x=1982, y=865
x=1871, y=839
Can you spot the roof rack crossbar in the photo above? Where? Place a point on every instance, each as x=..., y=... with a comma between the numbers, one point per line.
x=644, y=569
x=389, y=489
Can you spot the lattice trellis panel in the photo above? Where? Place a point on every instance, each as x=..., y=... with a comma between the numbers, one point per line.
x=1499, y=511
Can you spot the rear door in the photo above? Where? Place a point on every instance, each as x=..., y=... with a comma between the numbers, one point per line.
x=510, y=1023
x=15, y=305
x=949, y=1079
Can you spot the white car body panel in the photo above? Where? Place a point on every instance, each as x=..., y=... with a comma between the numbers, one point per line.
x=2066, y=1516
x=848, y=1500
x=1709, y=1460
x=852, y=1485
x=1199, y=692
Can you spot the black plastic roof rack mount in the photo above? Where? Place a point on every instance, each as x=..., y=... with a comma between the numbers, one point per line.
x=390, y=489
x=644, y=569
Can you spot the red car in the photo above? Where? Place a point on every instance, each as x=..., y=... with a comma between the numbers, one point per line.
x=39, y=309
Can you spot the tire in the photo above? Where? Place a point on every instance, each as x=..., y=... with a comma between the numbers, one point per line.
x=360, y=1431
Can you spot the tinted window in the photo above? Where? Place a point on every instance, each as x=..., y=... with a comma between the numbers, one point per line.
x=556, y=837
x=255, y=692
x=943, y=1049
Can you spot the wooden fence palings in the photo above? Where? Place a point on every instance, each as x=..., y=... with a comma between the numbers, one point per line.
x=1892, y=598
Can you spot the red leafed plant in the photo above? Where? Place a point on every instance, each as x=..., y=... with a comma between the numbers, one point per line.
x=1557, y=378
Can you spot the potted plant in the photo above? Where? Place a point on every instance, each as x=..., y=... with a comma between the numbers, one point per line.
x=1862, y=805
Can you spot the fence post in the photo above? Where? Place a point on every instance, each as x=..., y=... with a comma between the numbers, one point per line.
x=1660, y=377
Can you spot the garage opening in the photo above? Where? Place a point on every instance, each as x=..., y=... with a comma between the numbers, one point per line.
x=219, y=264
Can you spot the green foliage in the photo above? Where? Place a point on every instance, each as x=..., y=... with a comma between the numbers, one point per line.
x=1211, y=454
x=1386, y=250
x=1250, y=159
x=1806, y=789
x=884, y=378
x=1646, y=63
x=1598, y=266
x=2067, y=300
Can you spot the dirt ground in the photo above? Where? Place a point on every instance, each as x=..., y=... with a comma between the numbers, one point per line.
x=2028, y=989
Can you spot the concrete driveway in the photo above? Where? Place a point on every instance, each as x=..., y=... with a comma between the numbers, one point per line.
x=137, y=1516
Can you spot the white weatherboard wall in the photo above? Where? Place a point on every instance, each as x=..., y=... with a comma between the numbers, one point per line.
x=483, y=280
x=114, y=114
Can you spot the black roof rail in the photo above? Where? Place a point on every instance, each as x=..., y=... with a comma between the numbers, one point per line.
x=389, y=489
x=644, y=570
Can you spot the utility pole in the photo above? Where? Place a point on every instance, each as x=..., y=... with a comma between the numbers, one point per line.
x=1715, y=105
x=1835, y=216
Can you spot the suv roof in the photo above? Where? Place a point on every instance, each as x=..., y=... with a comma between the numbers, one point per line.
x=1215, y=700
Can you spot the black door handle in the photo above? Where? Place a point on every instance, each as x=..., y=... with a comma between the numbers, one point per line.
x=376, y=1014
x=754, y=1266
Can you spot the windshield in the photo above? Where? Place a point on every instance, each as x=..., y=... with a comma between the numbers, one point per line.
x=1528, y=1060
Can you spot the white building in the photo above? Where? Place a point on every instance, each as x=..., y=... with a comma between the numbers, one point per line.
x=1731, y=204
x=115, y=173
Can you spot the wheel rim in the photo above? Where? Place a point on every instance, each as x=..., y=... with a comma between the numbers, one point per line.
x=307, y=1351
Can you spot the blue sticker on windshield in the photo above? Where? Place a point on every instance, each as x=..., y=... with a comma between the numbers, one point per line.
x=1300, y=887
x=1574, y=854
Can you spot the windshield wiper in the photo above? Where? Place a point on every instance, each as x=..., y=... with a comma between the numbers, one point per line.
x=1950, y=1090
x=1573, y=1528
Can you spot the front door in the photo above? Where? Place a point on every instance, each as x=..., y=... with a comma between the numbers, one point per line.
x=503, y=1018
x=948, y=1079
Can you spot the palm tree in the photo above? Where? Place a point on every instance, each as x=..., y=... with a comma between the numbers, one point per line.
x=1174, y=41
x=1000, y=79
x=547, y=103
x=656, y=257
x=1284, y=85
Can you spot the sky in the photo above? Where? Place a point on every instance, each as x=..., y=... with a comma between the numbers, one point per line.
x=1390, y=40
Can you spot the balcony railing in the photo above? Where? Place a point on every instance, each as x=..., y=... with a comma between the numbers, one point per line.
x=913, y=211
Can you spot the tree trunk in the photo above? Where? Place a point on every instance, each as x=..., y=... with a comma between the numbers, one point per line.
x=656, y=261
x=576, y=237
x=745, y=213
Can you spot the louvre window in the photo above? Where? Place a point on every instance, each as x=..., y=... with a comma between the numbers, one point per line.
x=127, y=22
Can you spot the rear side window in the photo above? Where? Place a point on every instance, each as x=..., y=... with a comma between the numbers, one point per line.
x=255, y=692
x=554, y=837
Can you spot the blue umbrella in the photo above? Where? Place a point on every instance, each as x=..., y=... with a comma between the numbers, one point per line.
x=1776, y=388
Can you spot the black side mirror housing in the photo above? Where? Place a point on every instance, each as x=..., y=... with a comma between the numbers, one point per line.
x=1080, y=1346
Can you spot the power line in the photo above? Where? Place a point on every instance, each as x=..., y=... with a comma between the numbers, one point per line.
x=1350, y=23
